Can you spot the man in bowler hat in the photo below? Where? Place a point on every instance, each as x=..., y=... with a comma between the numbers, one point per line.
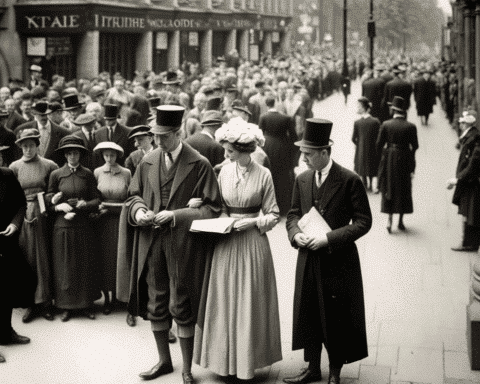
x=168, y=262
x=328, y=302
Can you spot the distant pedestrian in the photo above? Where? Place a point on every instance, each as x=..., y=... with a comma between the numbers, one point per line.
x=425, y=93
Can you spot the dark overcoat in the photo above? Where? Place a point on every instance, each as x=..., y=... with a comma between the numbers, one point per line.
x=398, y=87
x=347, y=212
x=194, y=178
x=374, y=90
x=425, y=93
x=17, y=280
x=365, y=133
x=467, y=190
x=397, y=142
x=207, y=147
x=120, y=137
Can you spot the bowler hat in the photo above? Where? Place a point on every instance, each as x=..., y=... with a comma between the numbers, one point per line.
x=96, y=91
x=71, y=142
x=3, y=113
x=169, y=119
x=35, y=68
x=41, y=108
x=398, y=104
x=140, y=130
x=71, y=102
x=111, y=111
x=317, y=134
x=171, y=78
x=239, y=106
x=29, y=134
x=84, y=118
x=212, y=118
x=214, y=104
x=108, y=145
x=365, y=102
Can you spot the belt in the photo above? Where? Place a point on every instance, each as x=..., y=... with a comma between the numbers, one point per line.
x=244, y=210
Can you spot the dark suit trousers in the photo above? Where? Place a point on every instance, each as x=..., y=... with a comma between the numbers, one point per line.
x=167, y=296
x=312, y=286
x=5, y=323
x=471, y=236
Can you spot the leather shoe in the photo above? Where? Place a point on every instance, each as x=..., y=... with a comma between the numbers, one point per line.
x=47, y=314
x=401, y=227
x=131, y=320
x=462, y=248
x=88, y=313
x=66, y=315
x=2, y=359
x=29, y=315
x=171, y=337
x=15, y=338
x=157, y=371
x=188, y=378
x=306, y=376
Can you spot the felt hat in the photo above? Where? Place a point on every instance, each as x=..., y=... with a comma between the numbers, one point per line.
x=398, y=104
x=171, y=78
x=317, y=134
x=212, y=118
x=41, y=108
x=214, y=103
x=169, y=119
x=71, y=142
x=84, y=118
x=111, y=111
x=96, y=91
x=71, y=102
x=365, y=102
x=108, y=145
x=140, y=130
x=239, y=106
x=3, y=113
x=29, y=134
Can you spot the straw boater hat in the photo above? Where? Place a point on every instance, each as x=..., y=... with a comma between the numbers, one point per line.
x=41, y=108
x=84, y=118
x=35, y=68
x=71, y=142
x=169, y=119
x=317, y=134
x=71, y=102
x=29, y=134
x=108, y=145
x=140, y=130
x=398, y=104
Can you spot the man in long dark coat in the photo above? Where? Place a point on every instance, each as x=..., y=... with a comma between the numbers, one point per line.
x=467, y=184
x=425, y=92
x=398, y=87
x=17, y=281
x=328, y=303
x=169, y=262
x=374, y=89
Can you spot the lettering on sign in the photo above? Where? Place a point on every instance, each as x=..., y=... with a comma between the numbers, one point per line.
x=174, y=23
x=103, y=21
x=42, y=22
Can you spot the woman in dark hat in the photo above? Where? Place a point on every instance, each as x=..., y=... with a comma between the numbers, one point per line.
x=143, y=140
x=397, y=142
x=365, y=133
x=74, y=195
x=113, y=181
x=33, y=173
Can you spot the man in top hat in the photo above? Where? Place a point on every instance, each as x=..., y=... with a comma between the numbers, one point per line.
x=50, y=133
x=35, y=76
x=14, y=119
x=328, y=302
x=425, y=92
x=113, y=131
x=374, y=90
x=143, y=140
x=466, y=182
x=86, y=131
x=168, y=260
x=204, y=141
x=398, y=87
x=74, y=108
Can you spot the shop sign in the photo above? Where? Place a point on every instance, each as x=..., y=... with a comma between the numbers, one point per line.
x=59, y=46
x=48, y=22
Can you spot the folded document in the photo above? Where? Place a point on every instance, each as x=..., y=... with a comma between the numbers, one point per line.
x=219, y=225
x=313, y=224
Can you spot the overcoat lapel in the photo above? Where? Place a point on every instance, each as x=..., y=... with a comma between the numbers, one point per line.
x=306, y=195
x=186, y=162
x=333, y=183
x=154, y=179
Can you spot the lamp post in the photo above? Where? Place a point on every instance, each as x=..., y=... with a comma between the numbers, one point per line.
x=371, y=33
x=345, y=65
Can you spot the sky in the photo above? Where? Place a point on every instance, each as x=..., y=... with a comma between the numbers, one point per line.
x=445, y=5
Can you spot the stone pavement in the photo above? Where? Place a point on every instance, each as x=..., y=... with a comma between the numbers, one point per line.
x=416, y=292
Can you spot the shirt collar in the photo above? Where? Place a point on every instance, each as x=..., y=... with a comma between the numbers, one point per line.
x=176, y=152
x=272, y=110
x=85, y=132
x=326, y=170
x=366, y=115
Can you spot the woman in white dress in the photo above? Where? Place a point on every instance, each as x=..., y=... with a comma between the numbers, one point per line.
x=241, y=329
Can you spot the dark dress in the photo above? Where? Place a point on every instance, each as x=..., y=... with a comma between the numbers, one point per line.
x=399, y=137
x=75, y=261
x=365, y=134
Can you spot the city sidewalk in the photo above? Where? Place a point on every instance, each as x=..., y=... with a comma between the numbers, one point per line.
x=416, y=292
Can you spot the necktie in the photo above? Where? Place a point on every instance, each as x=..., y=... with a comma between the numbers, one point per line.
x=318, y=179
x=90, y=138
x=170, y=162
x=73, y=170
x=110, y=135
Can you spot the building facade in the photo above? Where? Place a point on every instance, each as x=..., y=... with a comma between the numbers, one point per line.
x=80, y=39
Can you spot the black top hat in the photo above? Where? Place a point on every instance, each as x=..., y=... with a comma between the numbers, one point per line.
x=140, y=130
x=169, y=119
x=214, y=104
x=111, y=111
x=317, y=134
x=71, y=142
x=238, y=105
x=171, y=78
x=41, y=108
x=71, y=102
x=398, y=104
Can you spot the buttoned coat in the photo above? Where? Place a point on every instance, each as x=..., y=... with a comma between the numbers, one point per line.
x=346, y=209
x=191, y=252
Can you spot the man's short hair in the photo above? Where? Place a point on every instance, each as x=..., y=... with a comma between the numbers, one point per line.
x=270, y=101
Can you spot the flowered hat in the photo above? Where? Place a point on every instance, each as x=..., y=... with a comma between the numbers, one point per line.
x=239, y=131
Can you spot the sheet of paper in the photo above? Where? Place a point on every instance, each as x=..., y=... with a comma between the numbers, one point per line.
x=219, y=225
x=313, y=224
